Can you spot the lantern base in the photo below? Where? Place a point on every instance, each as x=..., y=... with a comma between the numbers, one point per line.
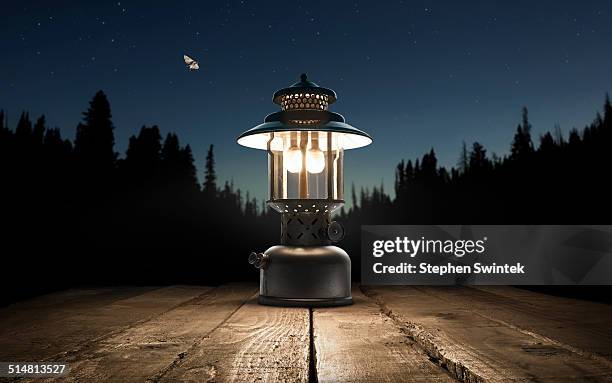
x=288, y=302
x=309, y=276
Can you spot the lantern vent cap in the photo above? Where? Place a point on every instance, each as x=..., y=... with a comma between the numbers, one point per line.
x=302, y=88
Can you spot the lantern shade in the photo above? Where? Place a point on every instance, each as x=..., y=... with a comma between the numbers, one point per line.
x=352, y=138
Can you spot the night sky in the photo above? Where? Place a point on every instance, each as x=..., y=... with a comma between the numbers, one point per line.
x=414, y=74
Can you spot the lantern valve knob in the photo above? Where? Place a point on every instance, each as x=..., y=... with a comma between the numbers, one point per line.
x=259, y=260
x=335, y=231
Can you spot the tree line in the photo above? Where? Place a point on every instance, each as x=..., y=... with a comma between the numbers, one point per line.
x=75, y=212
x=556, y=180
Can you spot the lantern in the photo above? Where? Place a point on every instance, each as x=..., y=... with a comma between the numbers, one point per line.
x=305, y=143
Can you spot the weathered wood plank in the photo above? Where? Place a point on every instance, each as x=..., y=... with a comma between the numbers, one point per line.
x=53, y=324
x=257, y=344
x=474, y=348
x=36, y=311
x=146, y=350
x=360, y=344
x=580, y=326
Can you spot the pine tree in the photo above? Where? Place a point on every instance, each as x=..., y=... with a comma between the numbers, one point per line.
x=249, y=206
x=210, y=177
x=5, y=133
x=187, y=170
x=417, y=169
x=354, y=197
x=23, y=131
x=478, y=158
x=607, y=111
x=429, y=165
x=95, y=141
x=5, y=144
x=463, y=163
x=409, y=172
x=558, y=135
x=400, y=179
x=547, y=143
x=574, y=138
x=38, y=133
x=522, y=146
x=606, y=125
x=170, y=148
x=363, y=197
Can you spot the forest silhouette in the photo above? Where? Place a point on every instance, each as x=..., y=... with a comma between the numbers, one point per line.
x=75, y=213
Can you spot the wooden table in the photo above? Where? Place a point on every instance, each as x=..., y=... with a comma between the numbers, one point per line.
x=390, y=334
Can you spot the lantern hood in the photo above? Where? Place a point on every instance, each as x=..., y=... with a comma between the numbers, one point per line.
x=305, y=86
x=304, y=108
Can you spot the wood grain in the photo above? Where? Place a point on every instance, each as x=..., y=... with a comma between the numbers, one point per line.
x=148, y=349
x=360, y=344
x=474, y=348
x=256, y=344
x=200, y=334
x=580, y=326
x=51, y=325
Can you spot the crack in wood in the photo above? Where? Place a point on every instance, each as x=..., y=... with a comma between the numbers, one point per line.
x=312, y=362
x=569, y=348
x=478, y=347
x=424, y=340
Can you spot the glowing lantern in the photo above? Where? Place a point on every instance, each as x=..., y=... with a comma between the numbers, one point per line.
x=305, y=143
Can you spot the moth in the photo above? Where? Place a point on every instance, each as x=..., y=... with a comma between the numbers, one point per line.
x=191, y=63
